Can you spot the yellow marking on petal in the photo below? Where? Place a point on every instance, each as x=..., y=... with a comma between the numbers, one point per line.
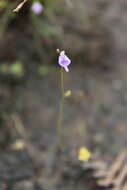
x=67, y=93
x=84, y=154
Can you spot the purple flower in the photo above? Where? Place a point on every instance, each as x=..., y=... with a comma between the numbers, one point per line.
x=37, y=8
x=64, y=61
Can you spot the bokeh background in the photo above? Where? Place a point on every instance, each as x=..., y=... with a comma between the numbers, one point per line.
x=94, y=35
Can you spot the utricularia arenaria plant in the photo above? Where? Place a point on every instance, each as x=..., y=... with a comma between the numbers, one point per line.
x=64, y=62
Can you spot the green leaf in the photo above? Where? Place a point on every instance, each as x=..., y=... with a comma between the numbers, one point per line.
x=3, y=4
x=17, y=69
x=42, y=71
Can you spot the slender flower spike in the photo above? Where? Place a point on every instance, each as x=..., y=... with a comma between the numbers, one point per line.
x=64, y=61
x=37, y=8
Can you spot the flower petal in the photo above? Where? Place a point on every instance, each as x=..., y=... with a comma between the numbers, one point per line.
x=64, y=61
x=66, y=68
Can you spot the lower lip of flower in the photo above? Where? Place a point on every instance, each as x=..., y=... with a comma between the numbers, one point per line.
x=66, y=68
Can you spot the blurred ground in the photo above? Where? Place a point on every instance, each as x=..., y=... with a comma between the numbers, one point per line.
x=95, y=114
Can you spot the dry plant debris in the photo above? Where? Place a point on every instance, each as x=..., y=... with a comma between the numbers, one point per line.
x=113, y=177
x=17, y=9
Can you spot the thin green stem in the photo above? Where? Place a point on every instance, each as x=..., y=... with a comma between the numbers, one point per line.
x=61, y=109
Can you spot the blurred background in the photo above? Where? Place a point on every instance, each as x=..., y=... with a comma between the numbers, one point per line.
x=94, y=35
